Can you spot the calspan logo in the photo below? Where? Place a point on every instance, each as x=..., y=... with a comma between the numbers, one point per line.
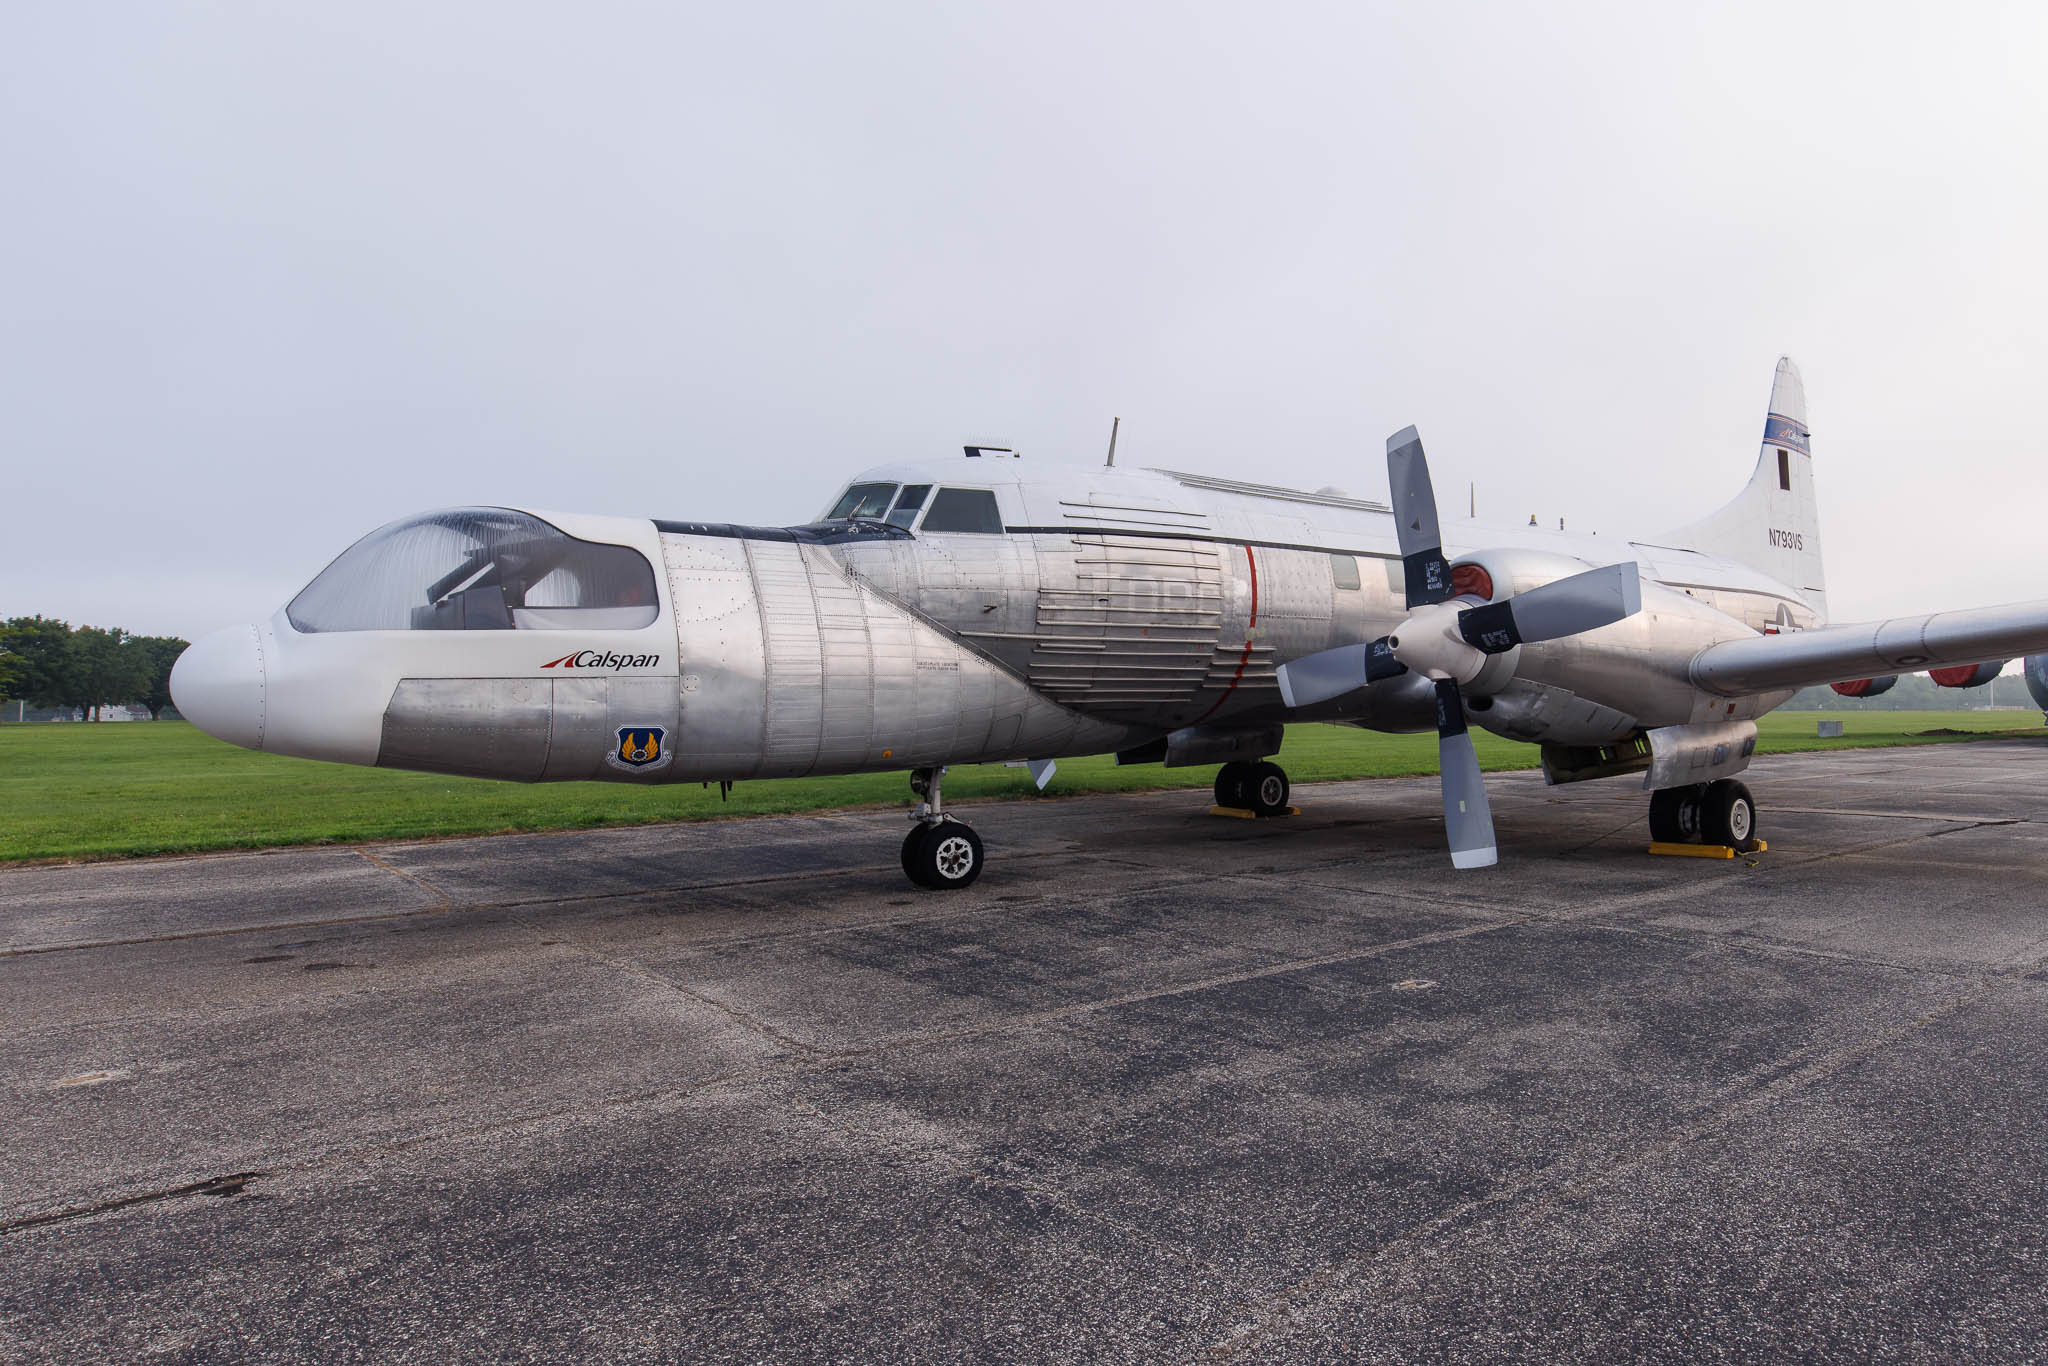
x=602, y=659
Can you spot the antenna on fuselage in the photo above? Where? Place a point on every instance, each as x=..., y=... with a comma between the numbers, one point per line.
x=1114, y=423
x=976, y=452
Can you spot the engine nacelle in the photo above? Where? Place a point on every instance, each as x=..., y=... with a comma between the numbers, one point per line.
x=2036, y=672
x=1867, y=687
x=1967, y=675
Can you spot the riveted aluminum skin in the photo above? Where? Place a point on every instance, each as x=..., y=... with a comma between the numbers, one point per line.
x=794, y=662
x=524, y=729
x=1681, y=755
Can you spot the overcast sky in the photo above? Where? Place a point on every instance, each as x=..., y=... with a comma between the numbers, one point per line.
x=276, y=275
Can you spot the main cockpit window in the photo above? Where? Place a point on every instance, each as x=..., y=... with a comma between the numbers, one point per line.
x=863, y=500
x=965, y=510
x=478, y=569
x=949, y=510
x=909, y=505
x=881, y=502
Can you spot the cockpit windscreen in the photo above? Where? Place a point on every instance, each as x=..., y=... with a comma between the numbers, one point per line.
x=863, y=500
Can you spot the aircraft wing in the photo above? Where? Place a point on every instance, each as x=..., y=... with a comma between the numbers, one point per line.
x=1836, y=654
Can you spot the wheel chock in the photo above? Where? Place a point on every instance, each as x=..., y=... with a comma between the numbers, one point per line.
x=1238, y=813
x=1705, y=850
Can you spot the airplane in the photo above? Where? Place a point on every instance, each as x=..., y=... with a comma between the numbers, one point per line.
x=986, y=608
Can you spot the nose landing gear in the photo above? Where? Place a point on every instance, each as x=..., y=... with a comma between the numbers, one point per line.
x=939, y=852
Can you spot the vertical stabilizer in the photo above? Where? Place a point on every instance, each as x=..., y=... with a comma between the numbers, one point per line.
x=1772, y=525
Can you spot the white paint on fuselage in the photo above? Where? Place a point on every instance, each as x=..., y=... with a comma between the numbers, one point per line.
x=1061, y=497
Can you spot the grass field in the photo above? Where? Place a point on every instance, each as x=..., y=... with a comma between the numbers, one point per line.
x=97, y=791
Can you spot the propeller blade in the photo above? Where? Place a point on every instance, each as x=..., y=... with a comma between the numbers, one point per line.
x=1583, y=602
x=1422, y=543
x=1380, y=662
x=1323, y=675
x=1468, y=821
x=1332, y=673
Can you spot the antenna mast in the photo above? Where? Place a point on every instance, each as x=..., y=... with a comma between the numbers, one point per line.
x=1114, y=423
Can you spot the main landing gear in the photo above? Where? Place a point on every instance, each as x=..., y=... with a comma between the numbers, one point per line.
x=1260, y=788
x=939, y=852
x=1704, y=813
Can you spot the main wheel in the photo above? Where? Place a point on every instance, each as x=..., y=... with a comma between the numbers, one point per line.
x=1266, y=792
x=1675, y=814
x=1233, y=785
x=943, y=856
x=1728, y=815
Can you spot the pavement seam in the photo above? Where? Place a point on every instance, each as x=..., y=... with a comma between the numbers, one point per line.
x=375, y=860
x=451, y=907
x=667, y=983
x=964, y=911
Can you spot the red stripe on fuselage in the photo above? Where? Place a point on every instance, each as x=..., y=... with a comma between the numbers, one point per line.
x=1245, y=658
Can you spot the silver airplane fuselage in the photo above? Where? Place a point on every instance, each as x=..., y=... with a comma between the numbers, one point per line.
x=1107, y=610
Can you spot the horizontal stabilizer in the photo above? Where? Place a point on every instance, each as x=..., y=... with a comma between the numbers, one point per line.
x=1836, y=654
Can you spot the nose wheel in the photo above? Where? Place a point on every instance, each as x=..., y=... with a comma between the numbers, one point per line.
x=940, y=853
x=943, y=856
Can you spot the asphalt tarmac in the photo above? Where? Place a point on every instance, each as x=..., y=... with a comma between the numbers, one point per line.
x=1162, y=1087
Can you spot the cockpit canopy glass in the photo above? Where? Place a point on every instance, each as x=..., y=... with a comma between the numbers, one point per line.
x=478, y=569
x=863, y=500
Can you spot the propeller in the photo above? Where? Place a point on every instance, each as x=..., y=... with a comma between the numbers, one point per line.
x=1450, y=644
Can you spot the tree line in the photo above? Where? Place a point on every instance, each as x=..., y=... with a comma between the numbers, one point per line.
x=51, y=663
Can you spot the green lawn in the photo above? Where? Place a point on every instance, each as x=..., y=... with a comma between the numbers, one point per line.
x=92, y=791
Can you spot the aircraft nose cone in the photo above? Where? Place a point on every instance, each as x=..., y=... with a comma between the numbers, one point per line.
x=217, y=685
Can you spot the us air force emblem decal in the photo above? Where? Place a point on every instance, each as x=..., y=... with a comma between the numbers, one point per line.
x=640, y=748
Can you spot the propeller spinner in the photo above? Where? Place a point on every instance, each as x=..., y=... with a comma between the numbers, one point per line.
x=1450, y=644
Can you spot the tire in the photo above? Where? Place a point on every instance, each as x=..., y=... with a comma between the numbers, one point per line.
x=1675, y=814
x=1728, y=815
x=1233, y=785
x=913, y=853
x=1265, y=790
x=947, y=856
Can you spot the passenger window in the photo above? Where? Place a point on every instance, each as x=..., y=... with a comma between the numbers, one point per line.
x=910, y=504
x=1397, y=578
x=1344, y=569
x=863, y=500
x=964, y=510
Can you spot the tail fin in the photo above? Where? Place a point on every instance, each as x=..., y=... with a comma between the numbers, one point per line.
x=1772, y=525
